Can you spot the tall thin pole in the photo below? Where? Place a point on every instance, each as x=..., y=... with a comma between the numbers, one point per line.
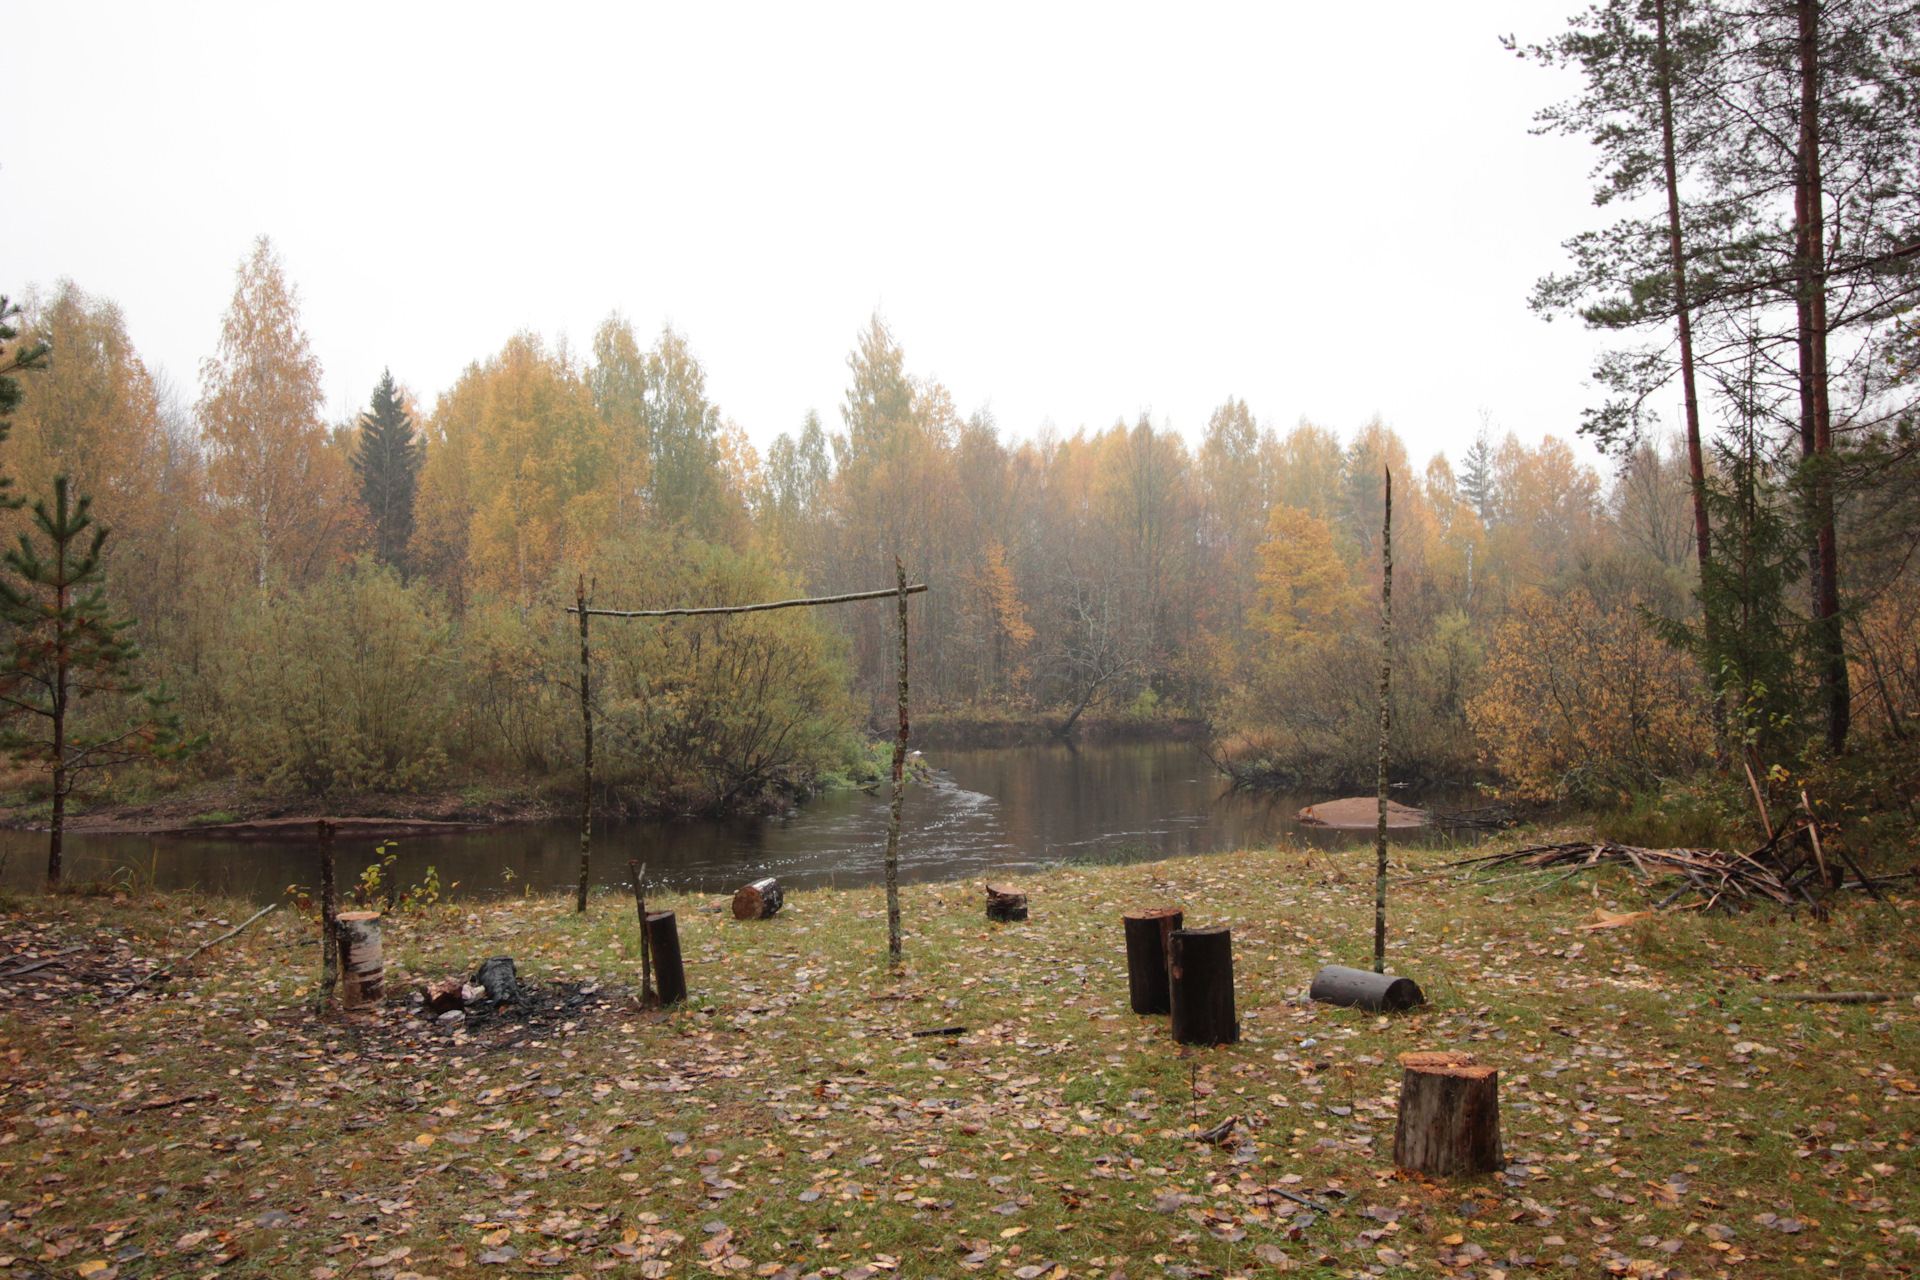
x=899, y=782
x=586, y=754
x=1386, y=716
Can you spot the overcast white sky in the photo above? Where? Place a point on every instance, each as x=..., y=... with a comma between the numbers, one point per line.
x=1071, y=213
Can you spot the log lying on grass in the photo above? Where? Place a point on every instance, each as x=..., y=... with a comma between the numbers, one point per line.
x=760, y=900
x=663, y=941
x=1002, y=905
x=1200, y=986
x=1363, y=989
x=1147, y=956
x=362, y=968
x=1449, y=1118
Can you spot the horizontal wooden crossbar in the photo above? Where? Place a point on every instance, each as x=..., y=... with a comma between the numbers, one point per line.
x=803, y=602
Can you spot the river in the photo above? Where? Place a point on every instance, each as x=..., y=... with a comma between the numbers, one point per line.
x=988, y=812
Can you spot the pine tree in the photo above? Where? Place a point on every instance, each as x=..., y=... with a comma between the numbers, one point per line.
x=67, y=647
x=386, y=463
x=17, y=359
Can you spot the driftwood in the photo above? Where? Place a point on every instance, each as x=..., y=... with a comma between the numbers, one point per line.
x=194, y=954
x=940, y=1031
x=1200, y=986
x=1219, y=1133
x=1146, y=933
x=760, y=900
x=1716, y=877
x=1449, y=1119
x=1005, y=905
x=1841, y=997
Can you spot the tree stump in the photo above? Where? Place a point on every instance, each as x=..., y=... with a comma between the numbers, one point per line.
x=362, y=969
x=501, y=980
x=663, y=940
x=1002, y=905
x=1449, y=1115
x=760, y=900
x=1147, y=956
x=1364, y=989
x=1200, y=986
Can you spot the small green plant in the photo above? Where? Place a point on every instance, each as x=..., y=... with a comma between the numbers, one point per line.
x=379, y=885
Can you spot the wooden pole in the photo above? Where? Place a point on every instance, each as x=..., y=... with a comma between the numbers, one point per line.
x=806, y=602
x=329, y=912
x=586, y=753
x=639, y=870
x=1386, y=718
x=1146, y=933
x=899, y=780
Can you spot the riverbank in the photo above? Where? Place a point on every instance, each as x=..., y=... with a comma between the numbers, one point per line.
x=1664, y=1111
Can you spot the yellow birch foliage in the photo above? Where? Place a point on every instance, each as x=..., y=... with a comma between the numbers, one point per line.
x=1587, y=705
x=274, y=479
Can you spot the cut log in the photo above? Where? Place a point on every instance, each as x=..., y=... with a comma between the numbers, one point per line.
x=363, y=971
x=445, y=996
x=663, y=940
x=1002, y=905
x=501, y=980
x=760, y=900
x=1361, y=989
x=1449, y=1119
x=1147, y=956
x=1200, y=986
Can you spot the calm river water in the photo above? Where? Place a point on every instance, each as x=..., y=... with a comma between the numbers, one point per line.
x=991, y=811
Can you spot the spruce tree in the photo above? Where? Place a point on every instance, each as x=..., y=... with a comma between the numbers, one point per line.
x=386, y=462
x=1476, y=477
x=67, y=648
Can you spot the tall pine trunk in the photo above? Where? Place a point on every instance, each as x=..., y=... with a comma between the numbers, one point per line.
x=1816, y=430
x=1683, y=311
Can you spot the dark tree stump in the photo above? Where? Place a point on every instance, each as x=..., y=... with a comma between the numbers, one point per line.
x=663, y=940
x=501, y=980
x=1147, y=956
x=1363, y=989
x=1449, y=1115
x=760, y=900
x=1200, y=986
x=1002, y=905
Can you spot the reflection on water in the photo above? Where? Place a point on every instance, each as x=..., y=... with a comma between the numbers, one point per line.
x=991, y=811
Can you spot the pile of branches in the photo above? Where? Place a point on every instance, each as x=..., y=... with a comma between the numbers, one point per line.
x=1786, y=870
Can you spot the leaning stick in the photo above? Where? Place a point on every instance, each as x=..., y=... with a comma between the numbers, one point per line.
x=639, y=870
x=196, y=951
x=914, y=589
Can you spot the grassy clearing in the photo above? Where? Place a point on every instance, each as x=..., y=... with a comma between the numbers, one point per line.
x=1664, y=1112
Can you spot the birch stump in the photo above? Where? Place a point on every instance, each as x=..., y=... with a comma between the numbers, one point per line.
x=1147, y=956
x=363, y=971
x=1449, y=1115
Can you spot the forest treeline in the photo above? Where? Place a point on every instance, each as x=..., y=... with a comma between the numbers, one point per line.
x=379, y=603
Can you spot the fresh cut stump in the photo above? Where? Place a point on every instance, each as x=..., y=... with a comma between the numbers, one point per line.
x=1449, y=1115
